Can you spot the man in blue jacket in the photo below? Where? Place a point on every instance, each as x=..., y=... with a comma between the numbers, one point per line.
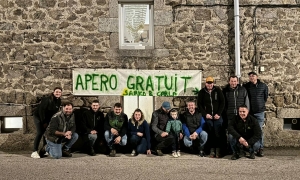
x=258, y=95
x=192, y=125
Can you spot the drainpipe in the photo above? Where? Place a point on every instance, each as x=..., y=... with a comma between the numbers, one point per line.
x=237, y=39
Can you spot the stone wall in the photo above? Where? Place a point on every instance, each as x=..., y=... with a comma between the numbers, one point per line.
x=43, y=40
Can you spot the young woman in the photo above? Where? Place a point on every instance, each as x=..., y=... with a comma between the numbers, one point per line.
x=139, y=133
x=42, y=116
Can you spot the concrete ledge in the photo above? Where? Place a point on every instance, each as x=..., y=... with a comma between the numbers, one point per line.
x=288, y=113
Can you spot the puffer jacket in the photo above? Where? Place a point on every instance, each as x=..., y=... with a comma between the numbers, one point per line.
x=258, y=95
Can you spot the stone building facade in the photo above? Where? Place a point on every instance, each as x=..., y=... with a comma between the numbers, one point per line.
x=43, y=40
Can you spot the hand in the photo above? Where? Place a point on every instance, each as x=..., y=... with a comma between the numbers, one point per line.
x=117, y=140
x=139, y=134
x=68, y=133
x=243, y=142
x=195, y=135
x=180, y=135
x=93, y=132
x=216, y=116
x=148, y=152
x=208, y=116
x=164, y=134
x=114, y=131
x=192, y=137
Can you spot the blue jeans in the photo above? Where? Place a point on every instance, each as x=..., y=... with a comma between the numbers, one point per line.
x=109, y=137
x=202, y=137
x=261, y=120
x=55, y=149
x=214, y=131
x=234, y=144
x=138, y=143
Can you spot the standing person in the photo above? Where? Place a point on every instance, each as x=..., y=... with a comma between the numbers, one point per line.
x=235, y=96
x=139, y=132
x=42, y=115
x=244, y=131
x=159, y=122
x=193, y=124
x=61, y=129
x=93, y=125
x=258, y=95
x=211, y=103
x=174, y=127
x=115, y=126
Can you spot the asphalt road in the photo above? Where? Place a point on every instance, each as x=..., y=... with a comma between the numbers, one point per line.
x=277, y=164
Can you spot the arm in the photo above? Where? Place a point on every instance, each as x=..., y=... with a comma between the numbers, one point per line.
x=231, y=129
x=53, y=126
x=147, y=134
x=42, y=108
x=200, y=102
x=185, y=130
x=131, y=128
x=73, y=128
x=202, y=122
x=107, y=126
x=124, y=127
x=84, y=123
x=154, y=122
x=221, y=101
x=247, y=102
x=169, y=124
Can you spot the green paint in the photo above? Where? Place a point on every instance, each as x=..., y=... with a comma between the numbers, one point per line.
x=166, y=83
x=104, y=80
x=94, y=83
x=113, y=78
x=185, y=82
x=159, y=78
x=132, y=85
x=139, y=83
x=149, y=84
x=79, y=82
x=88, y=78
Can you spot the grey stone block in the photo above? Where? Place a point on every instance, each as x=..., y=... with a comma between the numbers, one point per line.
x=163, y=18
x=288, y=113
x=113, y=8
x=159, y=37
x=108, y=25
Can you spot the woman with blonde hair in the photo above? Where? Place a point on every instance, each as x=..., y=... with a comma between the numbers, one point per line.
x=139, y=133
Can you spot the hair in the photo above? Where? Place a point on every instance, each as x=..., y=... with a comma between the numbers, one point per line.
x=173, y=110
x=190, y=100
x=243, y=106
x=57, y=88
x=96, y=101
x=118, y=105
x=138, y=110
x=233, y=76
x=67, y=103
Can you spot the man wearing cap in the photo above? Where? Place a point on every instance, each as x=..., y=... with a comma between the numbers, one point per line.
x=159, y=121
x=211, y=103
x=258, y=95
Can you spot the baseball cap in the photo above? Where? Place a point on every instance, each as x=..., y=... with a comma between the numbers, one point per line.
x=209, y=79
x=252, y=73
x=166, y=105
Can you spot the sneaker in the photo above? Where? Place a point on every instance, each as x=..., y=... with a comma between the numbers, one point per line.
x=66, y=153
x=260, y=153
x=35, y=155
x=46, y=154
x=92, y=152
x=212, y=153
x=252, y=155
x=159, y=153
x=133, y=153
x=218, y=153
x=42, y=151
x=201, y=154
x=112, y=153
x=174, y=154
x=235, y=156
x=178, y=153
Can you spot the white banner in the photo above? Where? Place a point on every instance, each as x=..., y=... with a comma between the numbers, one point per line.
x=129, y=82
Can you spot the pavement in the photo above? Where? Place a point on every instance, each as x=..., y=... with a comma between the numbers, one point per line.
x=278, y=163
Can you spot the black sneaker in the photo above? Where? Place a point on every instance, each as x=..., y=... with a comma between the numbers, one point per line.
x=252, y=155
x=92, y=152
x=42, y=151
x=201, y=154
x=112, y=153
x=66, y=153
x=235, y=156
x=159, y=153
x=260, y=153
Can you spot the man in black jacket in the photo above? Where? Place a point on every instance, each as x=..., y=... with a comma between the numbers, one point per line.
x=258, y=95
x=115, y=126
x=211, y=103
x=93, y=125
x=244, y=133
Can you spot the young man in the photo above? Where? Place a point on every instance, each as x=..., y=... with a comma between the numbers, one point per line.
x=211, y=103
x=61, y=129
x=93, y=126
x=192, y=124
x=244, y=132
x=115, y=126
x=258, y=95
x=158, y=125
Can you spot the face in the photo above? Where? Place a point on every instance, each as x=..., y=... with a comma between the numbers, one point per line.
x=57, y=93
x=253, y=78
x=166, y=110
x=243, y=112
x=117, y=110
x=191, y=106
x=174, y=115
x=137, y=116
x=68, y=109
x=233, y=81
x=209, y=86
x=95, y=107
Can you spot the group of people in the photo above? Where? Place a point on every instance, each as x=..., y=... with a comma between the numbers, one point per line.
x=237, y=109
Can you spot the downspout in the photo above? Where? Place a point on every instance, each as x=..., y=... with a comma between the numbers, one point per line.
x=237, y=39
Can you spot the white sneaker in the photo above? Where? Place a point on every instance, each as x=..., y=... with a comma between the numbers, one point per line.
x=178, y=153
x=35, y=155
x=174, y=154
x=133, y=153
x=46, y=154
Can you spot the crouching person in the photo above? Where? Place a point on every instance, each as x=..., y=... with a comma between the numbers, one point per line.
x=244, y=133
x=61, y=129
x=115, y=126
